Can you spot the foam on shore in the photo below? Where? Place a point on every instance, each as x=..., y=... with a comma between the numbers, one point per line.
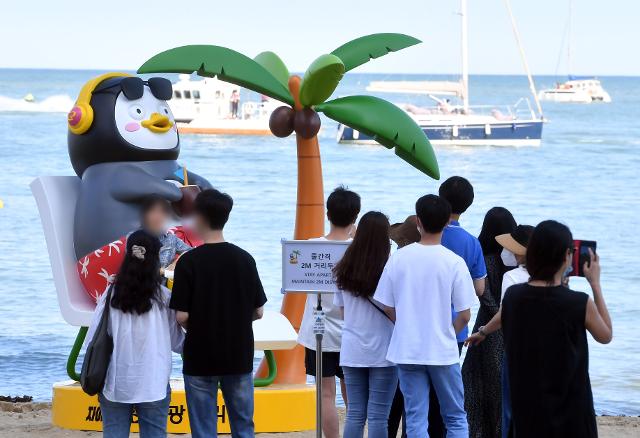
x=59, y=103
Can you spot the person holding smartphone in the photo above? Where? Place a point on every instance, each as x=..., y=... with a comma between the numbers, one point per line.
x=544, y=325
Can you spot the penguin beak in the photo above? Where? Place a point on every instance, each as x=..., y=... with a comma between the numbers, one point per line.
x=157, y=123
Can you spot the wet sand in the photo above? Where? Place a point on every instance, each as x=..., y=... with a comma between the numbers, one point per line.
x=31, y=420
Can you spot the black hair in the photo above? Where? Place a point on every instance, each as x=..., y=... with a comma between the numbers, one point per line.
x=433, y=212
x=359, y=270
x=138, y=280
x=343, y=207
x=459, y=192
x=214, y=206
x=497, y=221
x=547, y=250
x=152, y=201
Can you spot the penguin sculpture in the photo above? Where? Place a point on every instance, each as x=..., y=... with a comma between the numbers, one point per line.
x=123, y=144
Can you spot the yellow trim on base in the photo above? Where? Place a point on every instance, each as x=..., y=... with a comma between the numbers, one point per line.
x=278, y=408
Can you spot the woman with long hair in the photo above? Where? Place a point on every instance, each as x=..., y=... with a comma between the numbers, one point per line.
x=544, y=325
x=144, y=332
x=482, y=366
x=371, y=380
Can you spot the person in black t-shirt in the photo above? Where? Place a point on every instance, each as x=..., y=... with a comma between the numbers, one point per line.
x=217, y=294
x=545, y=327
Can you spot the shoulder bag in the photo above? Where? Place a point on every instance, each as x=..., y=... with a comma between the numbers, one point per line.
x=98, y=354
x=380, y=309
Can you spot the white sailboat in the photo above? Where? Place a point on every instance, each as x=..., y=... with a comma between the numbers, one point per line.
x=576, y=89
x=448, y=123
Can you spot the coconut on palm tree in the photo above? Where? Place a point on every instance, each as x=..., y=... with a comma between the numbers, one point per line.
x=303, y=99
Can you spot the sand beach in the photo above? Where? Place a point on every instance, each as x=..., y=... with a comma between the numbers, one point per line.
x=31, y=420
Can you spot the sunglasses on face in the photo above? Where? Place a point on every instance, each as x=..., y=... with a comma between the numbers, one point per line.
x=133, y=87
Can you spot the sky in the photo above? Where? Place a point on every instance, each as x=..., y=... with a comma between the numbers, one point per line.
x=123, y=34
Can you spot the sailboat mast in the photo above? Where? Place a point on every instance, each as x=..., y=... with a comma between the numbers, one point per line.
x=569, y=33
x=532, y=86
x=465, y=55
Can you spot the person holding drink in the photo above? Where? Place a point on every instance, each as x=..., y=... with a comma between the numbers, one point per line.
x=156, y=212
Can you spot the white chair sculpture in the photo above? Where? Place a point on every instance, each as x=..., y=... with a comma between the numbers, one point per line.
x=56, y=199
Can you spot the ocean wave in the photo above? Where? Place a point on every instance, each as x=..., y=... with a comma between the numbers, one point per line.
x=59, y=103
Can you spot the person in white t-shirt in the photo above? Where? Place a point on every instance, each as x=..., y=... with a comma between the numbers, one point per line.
x=370, y=378
x=419, y=285
x=343, y=208
x=144, y=331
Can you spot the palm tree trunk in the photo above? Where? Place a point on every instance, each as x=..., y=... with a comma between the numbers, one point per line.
x=309, y=223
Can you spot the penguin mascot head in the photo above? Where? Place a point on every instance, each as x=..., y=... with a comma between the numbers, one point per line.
x=119, y=117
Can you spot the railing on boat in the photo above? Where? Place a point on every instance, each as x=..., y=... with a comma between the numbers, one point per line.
x=521, y=110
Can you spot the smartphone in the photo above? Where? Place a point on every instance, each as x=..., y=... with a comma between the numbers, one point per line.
x=581, y=256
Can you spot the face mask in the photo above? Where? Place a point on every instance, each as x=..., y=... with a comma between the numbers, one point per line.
x=567, y=271
x=188, y=222
x=508, y=258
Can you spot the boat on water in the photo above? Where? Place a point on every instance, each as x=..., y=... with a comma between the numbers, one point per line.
x=575, y=89
x=206, y=107
x=452, y=120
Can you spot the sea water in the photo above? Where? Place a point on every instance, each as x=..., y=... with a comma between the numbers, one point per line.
x=584, y=174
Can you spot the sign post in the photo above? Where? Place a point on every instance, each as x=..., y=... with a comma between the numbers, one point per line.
x=318, y=330
x=307, y=267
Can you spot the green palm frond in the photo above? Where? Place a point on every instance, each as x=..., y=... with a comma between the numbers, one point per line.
x=228, y=65
x=321, y=79
x=361, y=50
x=388, y=125
x=274, y=65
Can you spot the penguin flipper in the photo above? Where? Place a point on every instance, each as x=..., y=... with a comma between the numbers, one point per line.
x=198, y=180
x=134, y=184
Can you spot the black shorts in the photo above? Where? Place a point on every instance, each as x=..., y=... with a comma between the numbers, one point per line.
x=330, y=363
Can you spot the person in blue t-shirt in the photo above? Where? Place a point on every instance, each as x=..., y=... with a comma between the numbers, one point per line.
x=459, y=193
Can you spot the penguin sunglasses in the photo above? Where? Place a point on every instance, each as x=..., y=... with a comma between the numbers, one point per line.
x=133, y=87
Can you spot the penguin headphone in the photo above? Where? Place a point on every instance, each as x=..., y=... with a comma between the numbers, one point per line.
x=80, y=117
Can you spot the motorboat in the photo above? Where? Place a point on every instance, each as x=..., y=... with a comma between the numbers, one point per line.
x=205, y=107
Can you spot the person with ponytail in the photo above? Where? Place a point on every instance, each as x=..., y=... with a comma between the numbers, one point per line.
x=371, y=380
x=144, y=331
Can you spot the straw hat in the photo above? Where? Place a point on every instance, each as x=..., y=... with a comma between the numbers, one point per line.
x=516, y=241
x=405, y=233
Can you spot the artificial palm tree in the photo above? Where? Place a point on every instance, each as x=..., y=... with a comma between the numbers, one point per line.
x=304, y=98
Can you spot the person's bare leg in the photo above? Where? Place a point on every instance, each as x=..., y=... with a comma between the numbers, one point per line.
x=330, y=423
x=343, y=391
